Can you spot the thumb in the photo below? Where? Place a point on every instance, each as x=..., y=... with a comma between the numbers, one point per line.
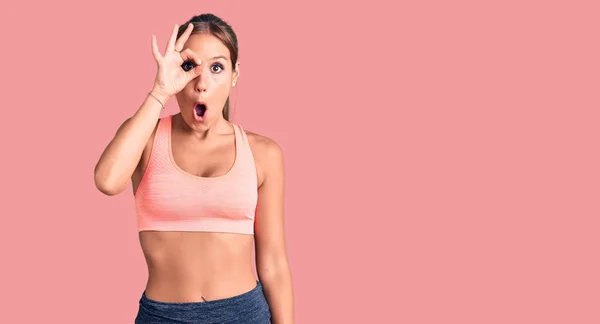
x=192, y=64
x=195, y=71
x=190, y=57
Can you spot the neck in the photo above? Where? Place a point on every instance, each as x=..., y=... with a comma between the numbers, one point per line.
x=204, y=130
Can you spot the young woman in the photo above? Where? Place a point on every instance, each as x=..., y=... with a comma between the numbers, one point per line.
x=206, y=191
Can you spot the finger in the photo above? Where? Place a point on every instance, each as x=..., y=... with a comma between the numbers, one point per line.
x=189, y=55
x=155, y=51
x=193, y=73
x=171, y=43
x=184, y=37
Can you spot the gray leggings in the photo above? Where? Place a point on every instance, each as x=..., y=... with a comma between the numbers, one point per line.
x=248, y=308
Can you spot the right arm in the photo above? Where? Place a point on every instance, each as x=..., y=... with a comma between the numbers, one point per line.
x=122, y=155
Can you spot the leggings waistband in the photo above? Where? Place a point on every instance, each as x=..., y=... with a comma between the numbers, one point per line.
x=249, y=305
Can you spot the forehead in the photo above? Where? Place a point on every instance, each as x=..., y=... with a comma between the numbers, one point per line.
x=206, y=45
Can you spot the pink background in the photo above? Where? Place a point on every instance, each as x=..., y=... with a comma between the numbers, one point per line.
x=442, y=158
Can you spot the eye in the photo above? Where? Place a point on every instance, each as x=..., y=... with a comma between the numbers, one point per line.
x=188, y=65
x=218, y=66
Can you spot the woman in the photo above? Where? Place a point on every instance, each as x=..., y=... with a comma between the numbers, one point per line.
x=205, y=190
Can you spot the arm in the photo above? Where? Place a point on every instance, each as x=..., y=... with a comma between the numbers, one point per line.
x=122, y=154
x=271, y=259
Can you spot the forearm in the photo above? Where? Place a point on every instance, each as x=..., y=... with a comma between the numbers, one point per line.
x=122, y=154
x=278, y=290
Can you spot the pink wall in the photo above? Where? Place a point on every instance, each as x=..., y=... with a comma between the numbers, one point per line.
x=442, y=157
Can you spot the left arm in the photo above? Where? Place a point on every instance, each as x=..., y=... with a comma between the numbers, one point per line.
x=271, y=260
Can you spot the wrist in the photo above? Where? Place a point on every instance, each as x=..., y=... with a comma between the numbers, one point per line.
x=159, y=95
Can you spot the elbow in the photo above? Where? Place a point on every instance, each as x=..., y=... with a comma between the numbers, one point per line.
x=108, y=190
x=107, y=186
x=274, y=269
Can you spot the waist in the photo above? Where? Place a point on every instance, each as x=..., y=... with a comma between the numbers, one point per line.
x=251, y=306
x=186, y=266
x=203, y=288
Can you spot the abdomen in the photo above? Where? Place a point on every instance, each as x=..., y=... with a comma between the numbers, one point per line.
x=184, y=266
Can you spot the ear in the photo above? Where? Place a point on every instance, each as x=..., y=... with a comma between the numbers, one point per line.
x=236, y=74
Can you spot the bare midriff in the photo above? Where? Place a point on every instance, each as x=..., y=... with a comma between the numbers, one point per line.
x=197, y=266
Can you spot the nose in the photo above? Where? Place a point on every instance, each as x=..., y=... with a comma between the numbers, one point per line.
x=200, y=83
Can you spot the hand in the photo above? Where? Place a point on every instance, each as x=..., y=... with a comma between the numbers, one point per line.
x=171, y=77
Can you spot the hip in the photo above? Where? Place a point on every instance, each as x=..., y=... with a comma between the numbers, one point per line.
x=249, y=307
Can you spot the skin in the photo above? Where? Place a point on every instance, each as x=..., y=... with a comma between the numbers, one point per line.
x=186, y=266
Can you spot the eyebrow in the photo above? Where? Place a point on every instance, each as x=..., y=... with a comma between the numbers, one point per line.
x=218, y=57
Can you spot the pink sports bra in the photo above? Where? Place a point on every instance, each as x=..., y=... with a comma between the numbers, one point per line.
x=170, y=199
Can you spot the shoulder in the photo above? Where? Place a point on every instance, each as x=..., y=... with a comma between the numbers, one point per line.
x=268, y=154
x=262, y=144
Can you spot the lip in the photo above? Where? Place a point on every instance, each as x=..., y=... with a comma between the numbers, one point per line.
x=196, y=117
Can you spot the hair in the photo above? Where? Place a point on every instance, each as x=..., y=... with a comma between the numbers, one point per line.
x=208, y=23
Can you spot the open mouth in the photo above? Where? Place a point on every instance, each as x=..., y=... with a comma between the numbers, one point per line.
x=199, y=111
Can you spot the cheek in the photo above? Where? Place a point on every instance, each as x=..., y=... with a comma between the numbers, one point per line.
x=221, y=84
x=220, y=80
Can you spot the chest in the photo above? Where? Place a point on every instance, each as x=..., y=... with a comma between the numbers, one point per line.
x=205, y=160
